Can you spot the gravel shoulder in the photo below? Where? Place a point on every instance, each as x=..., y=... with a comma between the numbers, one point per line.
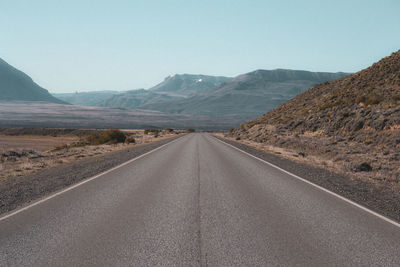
x=382, y=200
x=19, y=191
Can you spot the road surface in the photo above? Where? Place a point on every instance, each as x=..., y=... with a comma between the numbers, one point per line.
x=197, y=202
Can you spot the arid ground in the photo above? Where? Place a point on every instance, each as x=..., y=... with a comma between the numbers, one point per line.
x=24, y=153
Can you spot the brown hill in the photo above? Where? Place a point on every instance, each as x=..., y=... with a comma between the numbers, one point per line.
x=377, y=87
x=352, y=124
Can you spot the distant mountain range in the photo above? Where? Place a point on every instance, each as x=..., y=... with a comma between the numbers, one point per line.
x=245, y=96
x=86, y=98
x=173, y=88
x=248, y=95
x=16, y=85
x=188, y=84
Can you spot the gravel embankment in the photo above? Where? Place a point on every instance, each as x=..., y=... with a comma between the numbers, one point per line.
x=17, y=191
x=382, y=200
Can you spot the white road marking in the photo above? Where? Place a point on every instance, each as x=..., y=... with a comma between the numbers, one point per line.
x=317, y=186
x=81, y=183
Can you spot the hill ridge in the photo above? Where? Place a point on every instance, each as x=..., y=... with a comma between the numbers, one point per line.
x=16, y=85
x=378, y=84
x=247, y=95
x=351, y=124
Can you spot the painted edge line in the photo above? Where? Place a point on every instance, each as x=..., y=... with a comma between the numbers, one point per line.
x=69, y=188
x=317, y=186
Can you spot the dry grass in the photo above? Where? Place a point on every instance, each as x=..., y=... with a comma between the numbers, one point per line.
x=312, y=160
x=39, y=143
x=22, y=155
x=337, y=157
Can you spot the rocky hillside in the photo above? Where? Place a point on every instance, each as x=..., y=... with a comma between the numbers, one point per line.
x=245, y=96
x=353, y=122
x=248, y=95
x=377, y=87
x=17, y=86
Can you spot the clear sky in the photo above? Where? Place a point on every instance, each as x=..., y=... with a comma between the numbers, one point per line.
x=83, y=45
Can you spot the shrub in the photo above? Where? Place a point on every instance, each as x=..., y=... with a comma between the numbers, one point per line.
x=113, y=136
x=370, y=100
x=59, y=147
x=364, y=167
x=396, y=97
x=191, y=130
x=368, y=141
x=169, y=130
x=330, y=105
x=361, y=99
x=130, y=140
x=373, y=100
x=358, y=125
x=152, y=131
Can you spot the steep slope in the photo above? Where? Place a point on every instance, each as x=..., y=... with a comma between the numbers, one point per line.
x=375, y=88
x=16, y=85
x=85, y=98
x=352, y=124
x=248, y=95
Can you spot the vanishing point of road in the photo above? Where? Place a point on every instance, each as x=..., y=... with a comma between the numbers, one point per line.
x=197, y=202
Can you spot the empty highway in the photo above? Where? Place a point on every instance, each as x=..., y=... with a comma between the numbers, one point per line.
x=197, y=202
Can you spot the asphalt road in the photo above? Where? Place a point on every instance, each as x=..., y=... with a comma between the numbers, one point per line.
x=197, y=202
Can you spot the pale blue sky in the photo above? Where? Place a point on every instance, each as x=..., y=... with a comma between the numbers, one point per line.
x=78, y=45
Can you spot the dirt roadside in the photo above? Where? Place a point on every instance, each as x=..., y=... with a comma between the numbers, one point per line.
x=24, y=154
x=18, y=191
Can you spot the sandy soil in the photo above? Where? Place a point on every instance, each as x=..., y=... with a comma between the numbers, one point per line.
x=336, y=155
x=23, y=155
x=39, y=143
x=290, y=154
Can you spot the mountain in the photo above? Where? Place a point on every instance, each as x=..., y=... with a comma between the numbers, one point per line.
x=135, y=99
x=248, y=95
x=17, y=86
x=188, y=84
x=85, y=98
x=352, y=123
x=174, y=87
x=375, y=88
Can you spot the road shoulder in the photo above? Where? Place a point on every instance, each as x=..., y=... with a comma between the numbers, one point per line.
x=364, y=193
x=20, y=191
